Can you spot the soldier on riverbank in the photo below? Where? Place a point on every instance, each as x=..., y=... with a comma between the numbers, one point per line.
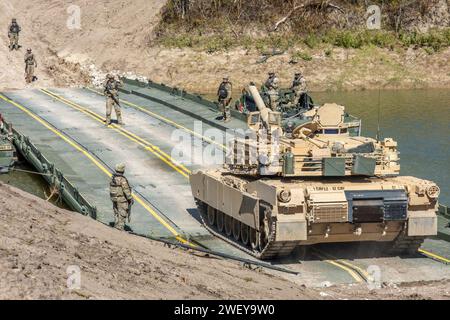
x=112, y=99
x=13, y=35
x=224, y=98
x=121, y=197
x=30, y=65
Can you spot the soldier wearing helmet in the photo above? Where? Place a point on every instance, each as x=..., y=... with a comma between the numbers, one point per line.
x=272, y=86
x=13, y=35
x=121, y=197
x=298, y=87
x=112, y=98
x=224, y=98
x=30, y=65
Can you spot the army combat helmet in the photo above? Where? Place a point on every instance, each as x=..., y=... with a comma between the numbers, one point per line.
x=120, y=168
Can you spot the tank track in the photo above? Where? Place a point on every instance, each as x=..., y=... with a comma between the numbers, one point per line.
x=272, y=250
x=406, y=245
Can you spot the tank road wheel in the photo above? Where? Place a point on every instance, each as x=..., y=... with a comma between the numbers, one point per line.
x=236, y=229
x=264, y=235
x=202, y=208
x=254, y=239
x=245, y=234
x=211, y=216
x=228, y=226
x=220, y=221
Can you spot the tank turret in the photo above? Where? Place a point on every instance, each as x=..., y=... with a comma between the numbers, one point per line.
x=319, y=145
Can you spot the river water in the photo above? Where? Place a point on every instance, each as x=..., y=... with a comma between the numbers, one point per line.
x=418, y=119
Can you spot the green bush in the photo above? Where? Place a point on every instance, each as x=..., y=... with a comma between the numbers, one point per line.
x=302, y=55
x=355, y=39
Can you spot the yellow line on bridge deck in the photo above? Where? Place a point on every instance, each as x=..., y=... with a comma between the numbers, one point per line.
x=171, y=122
x=129, y=135
x=97, y=163
x=434, y=256
x=342, y=266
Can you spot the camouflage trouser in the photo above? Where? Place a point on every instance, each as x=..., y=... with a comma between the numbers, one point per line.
x=14, y=41
x=225, y=109
x=29, y=73
x=110, y=103
x=273, y=99
x=120, y=214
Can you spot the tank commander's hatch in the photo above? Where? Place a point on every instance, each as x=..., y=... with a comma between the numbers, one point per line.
x=330, y=115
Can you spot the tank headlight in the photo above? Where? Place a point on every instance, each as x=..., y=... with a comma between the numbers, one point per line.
x=284, y=196
x=433, y=192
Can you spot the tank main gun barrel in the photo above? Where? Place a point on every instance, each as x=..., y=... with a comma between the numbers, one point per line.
x=260, y=104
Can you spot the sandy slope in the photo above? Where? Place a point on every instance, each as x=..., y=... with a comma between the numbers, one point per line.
x=116, y=35
x=51, y=69
x=38, y=241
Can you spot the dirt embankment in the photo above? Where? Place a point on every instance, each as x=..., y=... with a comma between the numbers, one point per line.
x=123, y=36
x=39, y=241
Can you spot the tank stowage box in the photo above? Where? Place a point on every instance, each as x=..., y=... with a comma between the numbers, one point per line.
x=318, y=184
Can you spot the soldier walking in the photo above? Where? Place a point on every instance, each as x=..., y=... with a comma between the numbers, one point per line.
x=224, y=98
x=121, y=197
x=13, y=35
x=30, y=65
x=112, y=99
x=298, y=87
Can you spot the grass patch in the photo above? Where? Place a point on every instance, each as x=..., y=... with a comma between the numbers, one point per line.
x=301, y=55
x=432, y=41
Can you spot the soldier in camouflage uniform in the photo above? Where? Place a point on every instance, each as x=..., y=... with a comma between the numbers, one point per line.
x=224, y=98
x=30, y=65
x=298, y=87
x=269, y=81
x=13, y=35
x=121, y=197
x=273, y=91
x=112, y=99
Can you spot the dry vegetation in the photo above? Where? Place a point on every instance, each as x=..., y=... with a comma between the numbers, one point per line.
x=223, y=24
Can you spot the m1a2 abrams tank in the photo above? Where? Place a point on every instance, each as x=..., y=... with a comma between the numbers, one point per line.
x=316, y=184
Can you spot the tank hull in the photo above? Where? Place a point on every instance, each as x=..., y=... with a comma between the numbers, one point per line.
x=270, y=217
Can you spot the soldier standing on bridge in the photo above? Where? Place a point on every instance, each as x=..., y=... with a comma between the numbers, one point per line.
x=121, y=197
x=112, y=99
x=30, y=65
x=272, y=87
x=298, y=87
x=224, y=97
x=13, y=35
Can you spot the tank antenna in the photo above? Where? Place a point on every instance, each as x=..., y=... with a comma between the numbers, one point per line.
x=379, y=115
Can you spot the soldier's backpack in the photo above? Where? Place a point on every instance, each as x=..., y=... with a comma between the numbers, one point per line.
x=115, y=190
x=14, y=28
x=223, y=92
